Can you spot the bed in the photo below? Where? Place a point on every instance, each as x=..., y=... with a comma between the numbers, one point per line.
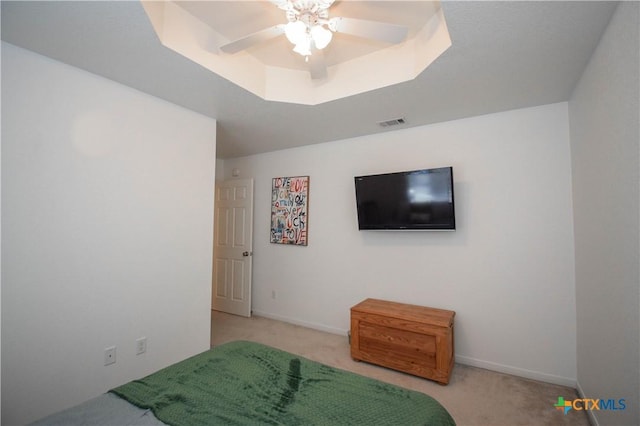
x=247, y=383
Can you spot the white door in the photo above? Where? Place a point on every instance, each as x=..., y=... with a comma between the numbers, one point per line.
x=232, y=249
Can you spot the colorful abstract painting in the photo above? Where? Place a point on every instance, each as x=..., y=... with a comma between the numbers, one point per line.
x=289, y=203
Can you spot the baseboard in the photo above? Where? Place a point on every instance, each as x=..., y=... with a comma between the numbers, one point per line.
x=311, y=325
x=592, y=417
x=515, y=371
x=500, y=368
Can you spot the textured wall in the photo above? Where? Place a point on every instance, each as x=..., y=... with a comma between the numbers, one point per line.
x=107, y=208
x=605, y=135
x=507, y=270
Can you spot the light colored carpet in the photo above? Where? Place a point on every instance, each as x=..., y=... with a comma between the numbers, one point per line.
x=474, y=396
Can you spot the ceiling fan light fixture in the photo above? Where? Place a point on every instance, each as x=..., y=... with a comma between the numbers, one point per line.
x=295, y=31
x=321, y=36
x=303, y=47
x=307, y=20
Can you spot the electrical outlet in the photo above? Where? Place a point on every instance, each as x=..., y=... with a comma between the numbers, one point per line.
x=141, y=345
x=110, y=355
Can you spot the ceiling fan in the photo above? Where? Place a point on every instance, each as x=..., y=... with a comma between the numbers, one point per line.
x=310, y=30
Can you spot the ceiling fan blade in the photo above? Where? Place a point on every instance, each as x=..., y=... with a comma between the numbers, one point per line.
x=381, y=31
x=317, y=65
x=253, y=39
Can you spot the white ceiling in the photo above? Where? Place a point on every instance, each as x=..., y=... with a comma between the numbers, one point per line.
x=268, y=66
x=236, y=19
x=504, y=55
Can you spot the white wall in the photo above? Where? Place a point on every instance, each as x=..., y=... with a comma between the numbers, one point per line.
x=508, y=270
x=605, y=137
x=107, y=207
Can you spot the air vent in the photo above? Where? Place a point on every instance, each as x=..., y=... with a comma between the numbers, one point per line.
x=393, y=122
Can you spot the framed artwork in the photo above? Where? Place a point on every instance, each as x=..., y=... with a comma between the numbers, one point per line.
x=289, y=205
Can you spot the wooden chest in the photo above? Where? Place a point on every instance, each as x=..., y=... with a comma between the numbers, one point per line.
x=409, y=338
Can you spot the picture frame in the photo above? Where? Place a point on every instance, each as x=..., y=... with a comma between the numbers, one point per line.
x=289, y=210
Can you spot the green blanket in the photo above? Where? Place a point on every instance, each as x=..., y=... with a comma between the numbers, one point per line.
x=245, y=383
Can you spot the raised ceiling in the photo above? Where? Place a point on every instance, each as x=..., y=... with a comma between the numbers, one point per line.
x=504, y=55
x=273, y=71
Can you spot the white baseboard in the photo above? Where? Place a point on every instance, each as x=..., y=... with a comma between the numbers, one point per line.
x=515, y=371
x=500, y=368
x=592, y=417
x=311, y=325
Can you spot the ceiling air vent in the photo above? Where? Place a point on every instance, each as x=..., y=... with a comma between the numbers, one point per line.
x=393, y=122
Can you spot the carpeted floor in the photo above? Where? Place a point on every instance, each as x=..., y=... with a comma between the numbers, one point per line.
x=474, y=396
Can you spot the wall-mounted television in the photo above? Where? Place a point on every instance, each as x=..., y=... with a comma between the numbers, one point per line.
x=418, y=199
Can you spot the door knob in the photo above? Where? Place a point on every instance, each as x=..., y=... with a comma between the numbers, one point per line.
x=245, y=253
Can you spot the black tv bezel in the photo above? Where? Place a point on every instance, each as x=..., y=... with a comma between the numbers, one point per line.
x=451, y=226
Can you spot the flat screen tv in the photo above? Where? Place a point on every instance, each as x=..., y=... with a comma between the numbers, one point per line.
x=418, y=199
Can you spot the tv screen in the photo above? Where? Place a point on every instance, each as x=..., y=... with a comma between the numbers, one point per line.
x=419, y=199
